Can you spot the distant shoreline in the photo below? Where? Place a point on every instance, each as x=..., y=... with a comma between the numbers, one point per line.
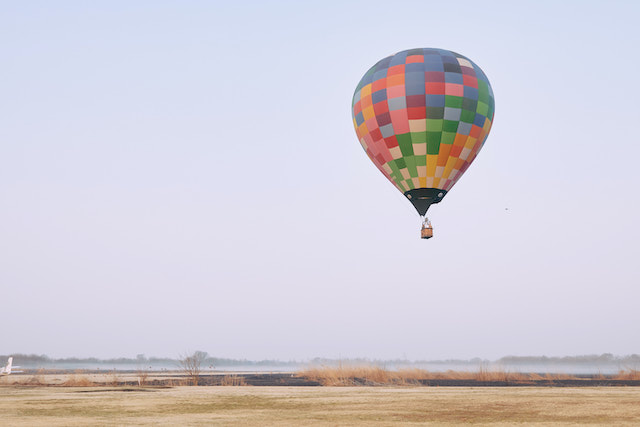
x=607, y=364
x=370, y=378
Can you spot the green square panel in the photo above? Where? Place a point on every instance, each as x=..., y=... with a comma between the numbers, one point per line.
x=491, y=109
x=482, y=108
x=435, y=112
x=453, y=101
x=483, y=91
x=433, y=147
x=469, y=104
x=404, y=141
x=418, y=137
x=447, y=137
x=434, y=125
x=467, y=116
x=450, y=126
x=394, y=168
x=410, y=184
x=411, y=165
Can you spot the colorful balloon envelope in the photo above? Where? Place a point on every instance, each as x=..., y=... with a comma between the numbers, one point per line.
x=422, y=116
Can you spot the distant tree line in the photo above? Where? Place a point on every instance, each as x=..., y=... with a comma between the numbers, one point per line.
x=607, y=358
x=210, y=361
x=140, y=359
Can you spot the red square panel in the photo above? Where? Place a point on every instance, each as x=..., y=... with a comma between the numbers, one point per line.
x=416, y=101
x=378, y=85
x=455, y=151
x=417, y=113
x=434, y=88
x=383, y=119
x=391, y=141
x=434, y=76
x=467, y=71
x=357, y=108
x=396, y=69
x=376, y=135
x=380, y=107
x=470, y=81
x=475, y=131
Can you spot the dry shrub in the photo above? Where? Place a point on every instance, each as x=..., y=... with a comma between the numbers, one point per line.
x=536, y=377
x=414, y=374
x=628, y=374
x=453, y=375
x=373, y=375
x=143, y=376
x=232, y=380
x=191, y=365
x=78, y=379
x=499, y=375
x=114, y=379
x=363, y=375
x=328, y=376
x=332, y=376
x=37, y=378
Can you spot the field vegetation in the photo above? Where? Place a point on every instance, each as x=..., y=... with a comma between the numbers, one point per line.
x=345, y=406
x=366, y=375
x=341, y=376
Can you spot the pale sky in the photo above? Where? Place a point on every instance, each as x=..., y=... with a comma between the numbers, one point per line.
x=184, y=175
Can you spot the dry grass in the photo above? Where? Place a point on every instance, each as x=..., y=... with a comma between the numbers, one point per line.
x=114, y=379
x=373, y=375
x=355, y=375
x=78, y=379
x=628, y=374
x=305, y=406
x=38, y=377
x=143, y=376
x=486, y=374
x=232, y=380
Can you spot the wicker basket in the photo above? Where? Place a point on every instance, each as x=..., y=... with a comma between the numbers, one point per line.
x=426, y=232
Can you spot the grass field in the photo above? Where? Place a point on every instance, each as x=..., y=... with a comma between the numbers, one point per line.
x=73, y=406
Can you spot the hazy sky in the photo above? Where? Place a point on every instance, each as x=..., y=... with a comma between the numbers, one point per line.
x=182, y=175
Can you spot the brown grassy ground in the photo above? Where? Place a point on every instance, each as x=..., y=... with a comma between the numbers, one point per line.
x=345, y=406
x=373, y=375
x=326, y=376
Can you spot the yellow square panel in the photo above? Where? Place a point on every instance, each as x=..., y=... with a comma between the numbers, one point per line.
x=368, y=113
x=432, y=162
x=447, y=169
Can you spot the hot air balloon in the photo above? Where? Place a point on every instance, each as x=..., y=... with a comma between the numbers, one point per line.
x=422, y=116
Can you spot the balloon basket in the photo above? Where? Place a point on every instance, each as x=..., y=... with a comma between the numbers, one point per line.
x=427, y=230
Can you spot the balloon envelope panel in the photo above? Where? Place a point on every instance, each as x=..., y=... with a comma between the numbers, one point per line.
x=422, y=116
